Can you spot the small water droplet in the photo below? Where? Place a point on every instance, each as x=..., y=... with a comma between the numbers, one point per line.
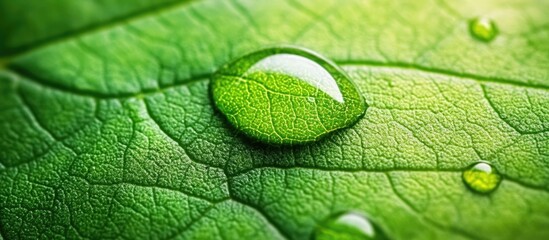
x=483, y=29
x=481, y=177
x=348, y=225
x=286, y=95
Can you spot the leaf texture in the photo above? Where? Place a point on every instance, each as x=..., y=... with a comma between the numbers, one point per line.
x=109, y=131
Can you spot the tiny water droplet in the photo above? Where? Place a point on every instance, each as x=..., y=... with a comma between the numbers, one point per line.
x=286, y=95
x=481, y=177
x=348, y=225
x=483, y=29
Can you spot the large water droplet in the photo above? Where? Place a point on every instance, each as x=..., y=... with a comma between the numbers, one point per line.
x=286, y=95
x=481, y=177
x=483, y=29
x=349, y=225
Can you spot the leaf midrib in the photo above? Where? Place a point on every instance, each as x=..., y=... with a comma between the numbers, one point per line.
x=449, y=73
x=24, y=75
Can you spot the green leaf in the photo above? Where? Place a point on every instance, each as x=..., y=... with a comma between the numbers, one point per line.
x=109, y=131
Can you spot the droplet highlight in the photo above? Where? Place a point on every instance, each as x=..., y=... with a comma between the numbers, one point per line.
x=481, y=177
x=286, y=96
x=348, y=225
x=483, y=29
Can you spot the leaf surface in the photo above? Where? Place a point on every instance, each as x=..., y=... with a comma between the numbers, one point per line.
x=110, y=132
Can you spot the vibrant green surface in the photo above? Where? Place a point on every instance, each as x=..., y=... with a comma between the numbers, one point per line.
x=111, y=133
x=481, y=177
x=286, y=95
x=27, y=23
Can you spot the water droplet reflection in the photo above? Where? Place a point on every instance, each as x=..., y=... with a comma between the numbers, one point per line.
x=301, y=68
x=286, y=95
x=481, y=177
x=348, y=225
x=483, y=29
